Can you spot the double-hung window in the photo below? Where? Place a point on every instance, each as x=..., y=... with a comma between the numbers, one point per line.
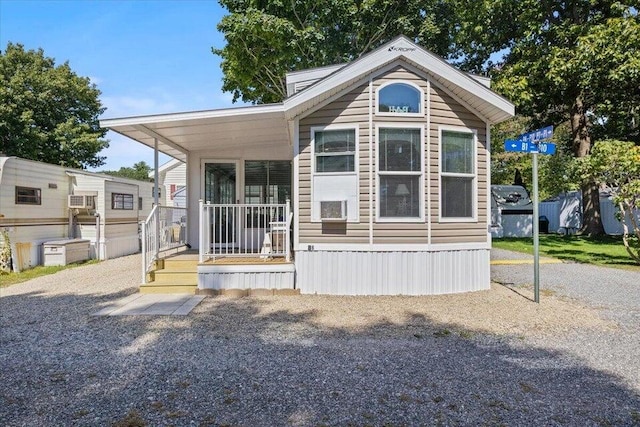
x=335, y=150
x=400, y=173
x=457, y=174
x=334, y=175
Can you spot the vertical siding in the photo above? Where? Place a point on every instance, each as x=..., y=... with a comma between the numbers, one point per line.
x=392, y=273
x=208, y=279
x=448, y=112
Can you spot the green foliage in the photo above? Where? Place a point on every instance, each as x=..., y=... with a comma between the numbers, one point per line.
x=266, y=39
x=554, y=172
x=616, y=164
x=5, y=252
x=139, y=171
x=566, y=58
x=574, y=62
x=47, y=112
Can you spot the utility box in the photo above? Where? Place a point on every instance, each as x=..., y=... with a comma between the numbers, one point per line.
x=63, y=252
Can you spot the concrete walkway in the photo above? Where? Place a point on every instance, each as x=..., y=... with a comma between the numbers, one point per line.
x=152, y=304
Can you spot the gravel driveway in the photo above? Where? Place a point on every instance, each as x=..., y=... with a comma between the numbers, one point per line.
x=487, y=358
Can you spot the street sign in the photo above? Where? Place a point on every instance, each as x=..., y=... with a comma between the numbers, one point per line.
x=537, y=135
x=529, y=147
x=546, y=148
x=516, y=145
x=531, y=142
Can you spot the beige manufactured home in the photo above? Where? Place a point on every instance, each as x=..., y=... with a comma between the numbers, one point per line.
x=40, y=202
x=371, y=178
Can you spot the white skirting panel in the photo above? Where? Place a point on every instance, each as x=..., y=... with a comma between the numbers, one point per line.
x=392, y=273
x=119, y=246
x=246, y=277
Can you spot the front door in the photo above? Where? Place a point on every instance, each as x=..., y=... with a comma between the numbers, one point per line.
x=220, y=188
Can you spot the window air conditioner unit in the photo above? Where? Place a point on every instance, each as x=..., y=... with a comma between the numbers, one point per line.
x=334, y=210
x=81, y=202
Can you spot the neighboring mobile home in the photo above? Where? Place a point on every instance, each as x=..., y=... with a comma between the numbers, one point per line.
x=380, y=166
x=172, y=178
x=40, y=202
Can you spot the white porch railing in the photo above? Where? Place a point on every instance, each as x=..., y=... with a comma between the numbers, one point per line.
x=165, y=228
x=245, y=230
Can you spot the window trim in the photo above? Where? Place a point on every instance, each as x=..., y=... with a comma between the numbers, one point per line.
x=473, y=176
x=123, y=208
x=420, y=173
x=355, y=153
x=38, y=196
x=356, y=164
x=389, y=114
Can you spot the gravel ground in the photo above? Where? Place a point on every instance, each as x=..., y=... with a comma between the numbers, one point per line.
x=486, y=358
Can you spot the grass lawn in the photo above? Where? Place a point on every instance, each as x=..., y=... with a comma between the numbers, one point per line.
x=7, y=279
x=607, y=251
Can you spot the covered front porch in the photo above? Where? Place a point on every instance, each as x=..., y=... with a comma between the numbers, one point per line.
x=238, y=217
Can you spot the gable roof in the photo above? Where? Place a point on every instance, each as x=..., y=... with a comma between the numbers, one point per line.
x=474, y=93
x=179, y=133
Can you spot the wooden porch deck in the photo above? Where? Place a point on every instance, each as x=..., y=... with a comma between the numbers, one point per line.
x=192, y=255
x=178, y=272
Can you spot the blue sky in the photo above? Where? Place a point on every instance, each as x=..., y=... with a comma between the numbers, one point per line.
x=145, y=56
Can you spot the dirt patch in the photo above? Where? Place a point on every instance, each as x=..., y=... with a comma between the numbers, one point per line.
x=500, y=310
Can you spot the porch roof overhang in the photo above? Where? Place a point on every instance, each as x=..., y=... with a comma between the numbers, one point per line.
x=177, y=134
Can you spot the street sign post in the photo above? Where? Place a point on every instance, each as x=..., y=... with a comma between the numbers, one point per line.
x=532, y=142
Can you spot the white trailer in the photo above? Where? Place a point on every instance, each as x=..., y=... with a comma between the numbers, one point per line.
x=40, y=202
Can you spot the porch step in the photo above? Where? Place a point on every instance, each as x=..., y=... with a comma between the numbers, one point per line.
x=167, y=288
x=184, y=265
x=174, y=275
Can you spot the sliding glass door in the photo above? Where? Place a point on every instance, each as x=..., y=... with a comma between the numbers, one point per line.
x=220, y=188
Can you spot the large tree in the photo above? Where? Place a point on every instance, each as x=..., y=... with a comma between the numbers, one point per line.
x=573, y=61
x=47, y=112
x=268, y=38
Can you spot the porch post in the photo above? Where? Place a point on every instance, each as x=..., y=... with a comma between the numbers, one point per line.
x=156, y=197
x=287, y=231
x=200, y=228
x=143, y=229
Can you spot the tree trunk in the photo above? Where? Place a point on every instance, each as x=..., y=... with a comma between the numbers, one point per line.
x=591, y=220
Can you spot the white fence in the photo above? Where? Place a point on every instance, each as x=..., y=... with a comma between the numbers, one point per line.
x=565, y=215
x=165, y=228
x=245, y=230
